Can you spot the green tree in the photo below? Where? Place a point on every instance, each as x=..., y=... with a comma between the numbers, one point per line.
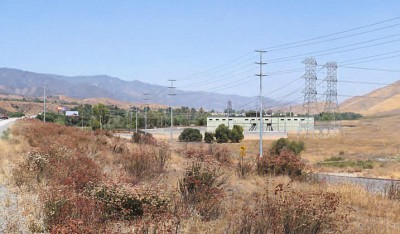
x=236, y=134
x=101, y=113
x=190, y=135
x=209, y=137
x=222, y=134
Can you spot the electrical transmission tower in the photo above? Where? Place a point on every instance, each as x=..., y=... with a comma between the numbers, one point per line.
x=310, y=105
x=331, y=108
x=261, y=75
x=171, y=94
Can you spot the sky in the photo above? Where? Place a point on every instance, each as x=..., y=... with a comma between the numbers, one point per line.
x=206, y=45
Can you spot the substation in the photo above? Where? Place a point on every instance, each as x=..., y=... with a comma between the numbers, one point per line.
x=270, y=123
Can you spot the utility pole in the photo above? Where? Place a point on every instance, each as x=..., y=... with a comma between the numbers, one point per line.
x=44, y=102
x=136, y=120
x=261, y=75
x=146, y=98
x=83, y=108
x=171, y=94
x=131, y=115
x=229, y=110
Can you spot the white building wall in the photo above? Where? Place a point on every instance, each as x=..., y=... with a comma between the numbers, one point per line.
x=270, y=124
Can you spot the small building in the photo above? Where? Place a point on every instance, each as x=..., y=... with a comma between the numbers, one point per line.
x=270, y=123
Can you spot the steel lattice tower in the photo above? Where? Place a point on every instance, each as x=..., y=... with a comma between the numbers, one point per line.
x=310, y=89
x=331, y=104
x=310, y=105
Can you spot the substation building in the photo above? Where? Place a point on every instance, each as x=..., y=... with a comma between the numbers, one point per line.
x=270, y=123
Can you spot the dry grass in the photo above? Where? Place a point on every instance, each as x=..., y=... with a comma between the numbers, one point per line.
x=357, y=210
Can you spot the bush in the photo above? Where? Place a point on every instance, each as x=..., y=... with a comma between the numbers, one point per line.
x=244, y=168
x=209, y=137
x=284, y=210
x=16, y=115
x=146, y=162
x=144, y=138
x=392, y=190
x=222, y=134
x=201, y=189
x=236, y=134
x=211, y=153
x=286, y=163
x=294, y=146
x=190, y=135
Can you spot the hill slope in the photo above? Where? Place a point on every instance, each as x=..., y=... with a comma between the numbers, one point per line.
x=382, y=101
x=18, y=82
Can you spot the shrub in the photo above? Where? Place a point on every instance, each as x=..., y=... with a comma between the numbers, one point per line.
x=16, y=115
x=68, y=212
x=58, y=166
x=236, y=134
x=295, y=146
x=146, y=162
x=144, y=138
x=244, y=168
x=222, y=134
x=6, y=134
x=286, y=163
x=213, y=152
x=190, y=135
x=392, y=190
x=284, y=210
x=201, y=189
x=209, y=137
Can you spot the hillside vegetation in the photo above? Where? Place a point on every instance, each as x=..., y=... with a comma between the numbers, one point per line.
x=74, y=181
x=382, y=101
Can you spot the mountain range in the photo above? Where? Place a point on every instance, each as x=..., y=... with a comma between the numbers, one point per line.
x=25, y=83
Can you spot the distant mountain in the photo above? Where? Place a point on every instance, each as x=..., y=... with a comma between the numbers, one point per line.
x=18, y=82
x=382, y=101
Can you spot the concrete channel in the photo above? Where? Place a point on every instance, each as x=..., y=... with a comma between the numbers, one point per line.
x=373, y=185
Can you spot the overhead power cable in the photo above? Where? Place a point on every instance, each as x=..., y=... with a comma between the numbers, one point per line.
x=316, y=53
x=332, y=34
x=334, y=39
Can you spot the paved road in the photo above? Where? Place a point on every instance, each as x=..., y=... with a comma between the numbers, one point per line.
x=4, y=124
x=11, y=219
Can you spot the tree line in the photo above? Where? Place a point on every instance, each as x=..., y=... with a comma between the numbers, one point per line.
x=112, y=117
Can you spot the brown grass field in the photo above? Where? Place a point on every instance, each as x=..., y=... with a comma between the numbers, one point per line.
x=72, y=181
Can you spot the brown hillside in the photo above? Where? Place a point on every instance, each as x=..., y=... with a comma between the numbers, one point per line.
x=28, y=106
x=385, y=100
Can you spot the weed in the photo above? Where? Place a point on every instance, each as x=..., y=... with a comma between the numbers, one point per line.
x=392, y=190
x=284, y=210
x=147, y=161
x=244, y=168
x=201, y=188
x=336, y=161
x=217, y=153
x=286, y=163
x=6, y=135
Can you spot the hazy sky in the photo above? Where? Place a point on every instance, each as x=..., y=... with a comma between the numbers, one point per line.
x=154, y=41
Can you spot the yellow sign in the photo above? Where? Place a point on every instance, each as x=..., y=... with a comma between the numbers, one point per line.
x=242, y=151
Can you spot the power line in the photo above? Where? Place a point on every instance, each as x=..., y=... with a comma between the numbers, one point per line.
x=332, y=34
x=315, y=53
x=334, y=39
x=371, y=69
x=214, y=69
